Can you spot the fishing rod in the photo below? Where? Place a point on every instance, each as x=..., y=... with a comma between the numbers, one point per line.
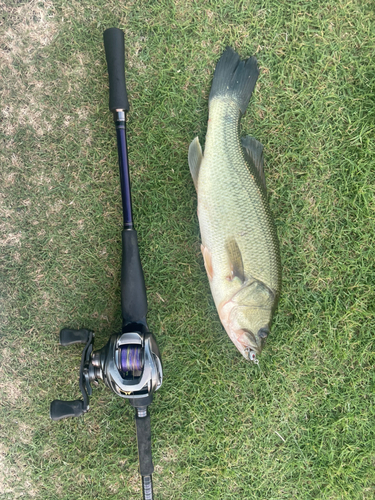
x=130, y=362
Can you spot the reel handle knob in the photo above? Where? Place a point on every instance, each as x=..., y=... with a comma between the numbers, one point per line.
x=63, y=409
x=68, y=336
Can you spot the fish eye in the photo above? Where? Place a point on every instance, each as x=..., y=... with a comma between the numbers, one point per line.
x=263, y=332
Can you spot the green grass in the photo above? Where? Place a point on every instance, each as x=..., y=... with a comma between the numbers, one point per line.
x=299, y=426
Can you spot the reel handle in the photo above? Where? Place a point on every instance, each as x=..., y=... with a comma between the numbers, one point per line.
x=63, y=409
x=115, y=55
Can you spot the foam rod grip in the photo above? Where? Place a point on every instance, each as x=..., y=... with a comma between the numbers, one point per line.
x=146, y=467
x=115, y=55
x=133, y=289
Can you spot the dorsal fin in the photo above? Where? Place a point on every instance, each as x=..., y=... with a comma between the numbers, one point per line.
x=253, y=150
x=195, y=157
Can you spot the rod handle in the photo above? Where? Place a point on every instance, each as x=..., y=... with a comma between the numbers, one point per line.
x=143, y=424
x=115, y=55
x=133, y=288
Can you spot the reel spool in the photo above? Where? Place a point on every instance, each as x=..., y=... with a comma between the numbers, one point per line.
x=131, y=359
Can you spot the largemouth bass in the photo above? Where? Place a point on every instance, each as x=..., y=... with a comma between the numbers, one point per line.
x=239, y=241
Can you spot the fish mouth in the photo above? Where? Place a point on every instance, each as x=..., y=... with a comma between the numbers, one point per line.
x=248, y=341
x=245, y=341
x=251, y=342
x=243, y=338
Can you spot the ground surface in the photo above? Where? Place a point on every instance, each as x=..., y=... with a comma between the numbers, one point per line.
x=299, y=426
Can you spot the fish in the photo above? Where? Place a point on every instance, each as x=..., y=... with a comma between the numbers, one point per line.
x=239, y=242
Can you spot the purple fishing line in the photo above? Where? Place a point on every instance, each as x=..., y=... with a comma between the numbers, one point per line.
x=131, y=359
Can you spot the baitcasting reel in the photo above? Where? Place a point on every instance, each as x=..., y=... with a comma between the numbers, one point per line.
x=129, y=364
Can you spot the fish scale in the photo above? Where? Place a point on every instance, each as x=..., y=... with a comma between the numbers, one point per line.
x=239, y=240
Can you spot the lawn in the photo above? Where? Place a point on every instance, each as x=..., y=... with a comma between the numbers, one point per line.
x=301, y=424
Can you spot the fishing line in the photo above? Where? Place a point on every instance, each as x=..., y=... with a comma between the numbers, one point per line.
x=131, y=358
x=309, y=467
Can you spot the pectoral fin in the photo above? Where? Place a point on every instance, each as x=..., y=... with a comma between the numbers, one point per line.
x=235, y=260
x=207, y=257
x=195, y=157
x=253, y=151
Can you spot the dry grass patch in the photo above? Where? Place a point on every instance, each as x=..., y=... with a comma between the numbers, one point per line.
x=31, y=27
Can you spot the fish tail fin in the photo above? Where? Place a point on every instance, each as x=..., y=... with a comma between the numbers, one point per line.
x=234, y=78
